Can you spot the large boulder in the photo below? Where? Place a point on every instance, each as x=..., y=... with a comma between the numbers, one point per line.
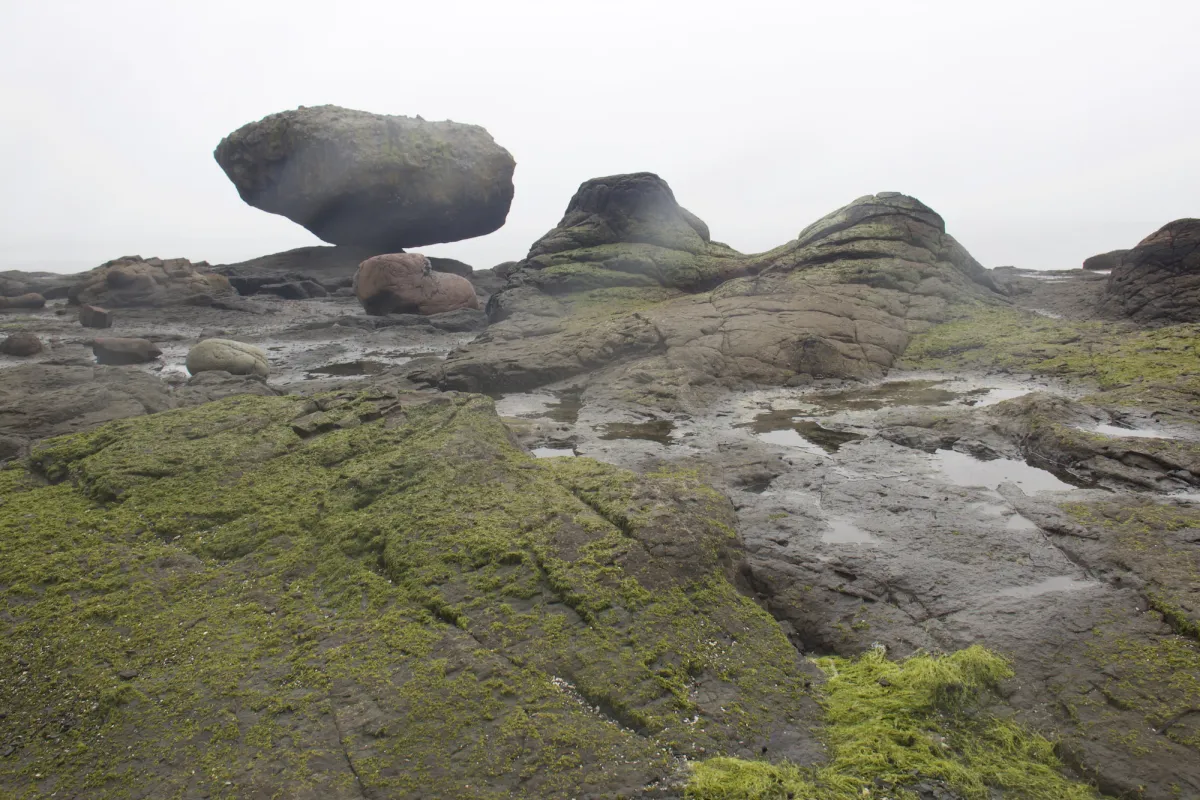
x=371, y=180
x=29, y=301
x=116, y=351
x=226, y=355
x=1159, y=280
x=1105, y=261
x=629, y=275
x=406, y=283
x=21, y=345
x=132, y=281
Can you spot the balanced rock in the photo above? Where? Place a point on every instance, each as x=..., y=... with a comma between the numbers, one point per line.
x=21, y=345
x=95, y=317
x=226, y=355
x=135, y=281
x=406, y=283
x=30, y=300
x=1105, y=261
x=115, y=351
x=1159, y=280
x=356, y=178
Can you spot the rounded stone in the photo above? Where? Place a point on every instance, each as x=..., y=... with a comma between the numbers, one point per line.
x=226, y=355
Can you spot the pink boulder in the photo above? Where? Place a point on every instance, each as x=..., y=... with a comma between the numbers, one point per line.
x=405, y=283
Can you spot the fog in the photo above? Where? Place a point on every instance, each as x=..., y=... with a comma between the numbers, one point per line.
x=1042, y=132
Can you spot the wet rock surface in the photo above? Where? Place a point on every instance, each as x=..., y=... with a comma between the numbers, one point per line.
x=857, y=448
x=371, y=180
x=1159, y=280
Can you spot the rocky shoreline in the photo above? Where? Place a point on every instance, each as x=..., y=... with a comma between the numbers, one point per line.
x=640, y=516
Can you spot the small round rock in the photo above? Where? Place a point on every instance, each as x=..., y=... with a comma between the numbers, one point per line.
x=21, y=344
x=236, y=358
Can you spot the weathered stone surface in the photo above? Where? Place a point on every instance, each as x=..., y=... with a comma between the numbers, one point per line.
x=134, y=281
x=50, y=285
x=331, y=267
x=21, y=345
x=452, y=266
x=294, y=290
x=226, y=355
x=116, y=351
x=840, y=301
x=95, y=317
x=1159, y=280
x=1105, y=261
x=23, y=301
x=406, y=283
x=370, y=180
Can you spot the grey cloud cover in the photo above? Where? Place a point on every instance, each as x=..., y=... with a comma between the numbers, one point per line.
x=1043, y=132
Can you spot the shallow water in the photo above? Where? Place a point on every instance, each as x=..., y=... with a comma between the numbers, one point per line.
x=655, y=430
x=351, y=368
x=967, y=470
x=843, y=531
x=791, y=438
x=1059, y=583
x=1138, y=433
x=775, y=427
x=885, y=395
x=553, y=452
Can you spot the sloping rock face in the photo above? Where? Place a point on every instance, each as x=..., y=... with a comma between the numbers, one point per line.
x=50, y=285
x=1105, y=261
x=371, y=180
x=136, y=281
x=331, y=267
x=1159, y=280
x=378, y=596
x=630, y=275
x=406, y=283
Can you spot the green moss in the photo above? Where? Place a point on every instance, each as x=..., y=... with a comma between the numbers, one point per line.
x=887, y=722
x=412, y=574
x=1124, y=362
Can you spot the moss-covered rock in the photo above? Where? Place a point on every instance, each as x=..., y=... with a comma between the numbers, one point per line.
x=397, y=602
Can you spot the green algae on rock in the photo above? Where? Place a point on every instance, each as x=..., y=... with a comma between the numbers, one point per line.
x=398, y=601
x=891, y=725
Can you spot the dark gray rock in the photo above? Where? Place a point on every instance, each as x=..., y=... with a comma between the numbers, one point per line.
x=21, y=345
x=371, y=180
x=95, y=317
x=116, y=351
x=1105, y=261
x=1159, y=280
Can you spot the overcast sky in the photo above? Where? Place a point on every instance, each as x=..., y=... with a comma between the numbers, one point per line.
x=1043, y=132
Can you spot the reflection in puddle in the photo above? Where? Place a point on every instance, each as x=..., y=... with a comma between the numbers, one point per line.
x=989, y=397
x=655, y=430
x=1118, y=431
x=790, y=438
x=559, y=406
x=778, y=426
x=895, y=393
x=553, y=452
x=1059, y=583
x=965, y=470
x=566, y=409
x=842, y=531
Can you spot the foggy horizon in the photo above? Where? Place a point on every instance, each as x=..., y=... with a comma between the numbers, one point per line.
x=1041, y=135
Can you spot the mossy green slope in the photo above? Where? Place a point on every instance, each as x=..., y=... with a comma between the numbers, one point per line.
x=894, y=725
x=380, y=595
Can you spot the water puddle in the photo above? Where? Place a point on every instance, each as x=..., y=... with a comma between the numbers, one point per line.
x=777, y=426
x=566, y=406
x=1138, y=433
x=885, y=395
x=790, y=438
x=1059, y=583
x=989, y=397
x=352, y=368
x=655, y=430
x=560, y=406
x=966, y=470
x=553, y=452
x=842, y=531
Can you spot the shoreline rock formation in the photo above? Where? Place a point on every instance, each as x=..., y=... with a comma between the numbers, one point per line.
x=1159, y=280
x=136, y=281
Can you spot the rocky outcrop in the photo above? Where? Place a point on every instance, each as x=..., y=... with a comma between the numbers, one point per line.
x=331, y=267
x=1105, y=261
x=226, y=355
x=416, y=607
x=136, y=281
x=115, y=351
x=30, y=301
x=50, y=285
x=21, y=345
x=1159, y=280
x=629, y=274
x=406, y=283
x=371, y=180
